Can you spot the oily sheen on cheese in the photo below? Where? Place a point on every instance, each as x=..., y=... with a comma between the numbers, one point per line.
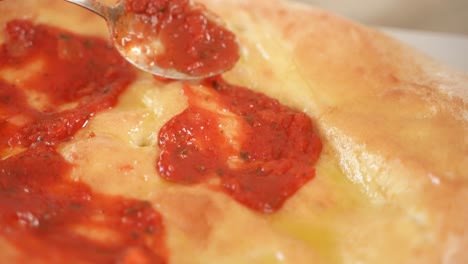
x=390, y=185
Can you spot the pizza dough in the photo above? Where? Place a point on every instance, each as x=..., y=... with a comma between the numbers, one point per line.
x=391, y=184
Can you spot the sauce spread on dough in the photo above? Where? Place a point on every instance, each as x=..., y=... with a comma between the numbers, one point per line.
x=178, y=35
x=271, y=157
x=231, y=139
x=42, y=212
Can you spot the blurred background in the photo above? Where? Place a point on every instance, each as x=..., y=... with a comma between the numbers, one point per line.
x=449, y=16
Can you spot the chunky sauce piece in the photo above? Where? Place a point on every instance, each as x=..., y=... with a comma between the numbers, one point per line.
x=42, y=212
x=177, y=35
x=266, y=161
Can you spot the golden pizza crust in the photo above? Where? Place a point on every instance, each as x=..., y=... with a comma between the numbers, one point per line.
x=397, y=119
x=391, y=184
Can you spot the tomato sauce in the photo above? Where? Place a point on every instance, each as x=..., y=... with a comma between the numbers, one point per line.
x=191, y=42
x=250, y=146
x=42, y=212
x=276, y=152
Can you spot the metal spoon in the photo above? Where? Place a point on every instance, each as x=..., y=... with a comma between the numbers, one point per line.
x=119, y=23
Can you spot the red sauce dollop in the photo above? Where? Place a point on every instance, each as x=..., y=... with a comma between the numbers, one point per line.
x=193, y=43
x=42, y=212
x=275, y=157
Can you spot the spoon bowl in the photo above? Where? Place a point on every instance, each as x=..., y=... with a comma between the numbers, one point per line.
x=140, y=48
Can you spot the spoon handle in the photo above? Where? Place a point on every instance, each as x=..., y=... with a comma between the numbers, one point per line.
x=95, y=6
